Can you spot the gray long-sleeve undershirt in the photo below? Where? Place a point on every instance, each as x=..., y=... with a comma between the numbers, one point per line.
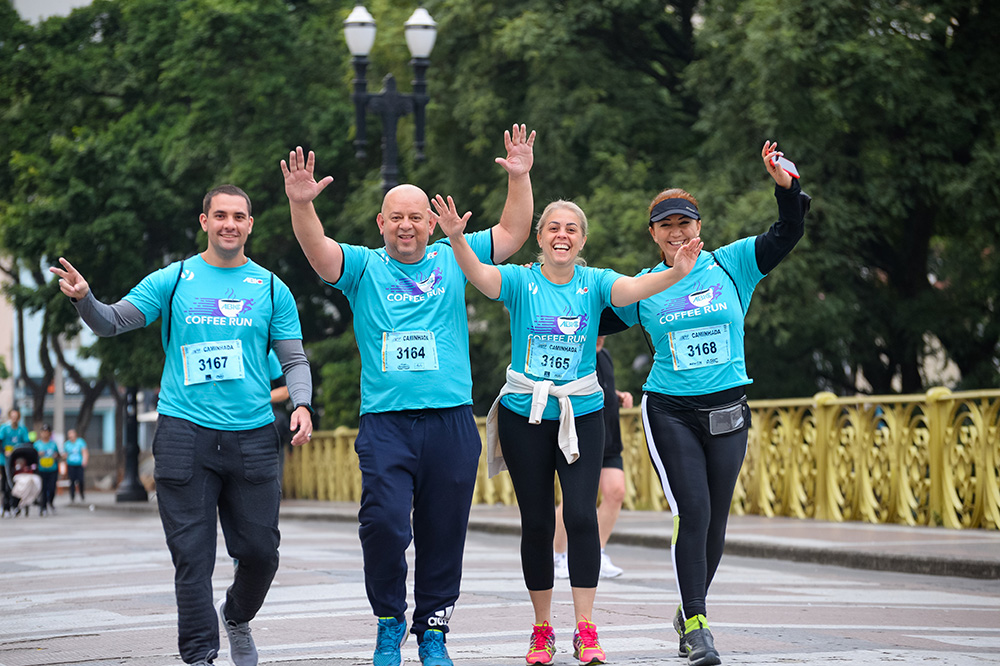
x=295, y=365
x=110, y=320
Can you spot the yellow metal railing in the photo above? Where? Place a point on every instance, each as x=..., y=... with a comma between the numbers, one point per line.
x=931, y=459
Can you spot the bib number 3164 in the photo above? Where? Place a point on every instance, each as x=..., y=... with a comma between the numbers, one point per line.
x=408, y=351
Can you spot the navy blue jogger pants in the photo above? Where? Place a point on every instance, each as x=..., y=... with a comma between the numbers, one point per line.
x=424, y=461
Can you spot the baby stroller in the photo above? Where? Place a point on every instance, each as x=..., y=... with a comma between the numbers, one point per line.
x=22, y=477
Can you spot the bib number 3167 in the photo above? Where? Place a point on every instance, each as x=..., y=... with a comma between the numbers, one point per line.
x=212, y=361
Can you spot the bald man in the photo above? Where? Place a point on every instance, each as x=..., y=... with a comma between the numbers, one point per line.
x=417, y=442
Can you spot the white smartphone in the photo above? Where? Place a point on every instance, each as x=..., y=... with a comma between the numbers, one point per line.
x=787, y=165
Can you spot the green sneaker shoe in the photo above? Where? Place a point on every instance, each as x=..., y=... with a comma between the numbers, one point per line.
x=698, y=643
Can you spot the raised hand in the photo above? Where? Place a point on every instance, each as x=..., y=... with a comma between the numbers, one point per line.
x=300, y=184
x=769, y=152
x=446, y=216
x=519, y=151
x=687, y=255
x=71, y=282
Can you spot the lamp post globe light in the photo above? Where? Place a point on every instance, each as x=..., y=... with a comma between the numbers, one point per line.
x=390, y=104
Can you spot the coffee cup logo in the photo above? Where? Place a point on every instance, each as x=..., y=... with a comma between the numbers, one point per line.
x=701, y=298
x=230, y=307
x=568, y=325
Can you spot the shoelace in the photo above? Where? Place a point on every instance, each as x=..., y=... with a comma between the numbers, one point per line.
x=239, y=634
x=588, y=635
x=386, y=641
x=540, y=637
x=433, y=646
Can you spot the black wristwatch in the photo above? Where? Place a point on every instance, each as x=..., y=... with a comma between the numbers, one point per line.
x=307, y=406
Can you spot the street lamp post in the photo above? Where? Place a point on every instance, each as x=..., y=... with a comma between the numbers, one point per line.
x=131, y=488
x=389, y=103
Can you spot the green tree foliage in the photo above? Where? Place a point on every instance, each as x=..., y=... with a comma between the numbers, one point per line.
x=118, y=118
x=602, y=82
x=115, y=120
x=890, y=108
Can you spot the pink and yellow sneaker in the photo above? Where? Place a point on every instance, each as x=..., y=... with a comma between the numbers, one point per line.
x=542, y=647
x=585, y=645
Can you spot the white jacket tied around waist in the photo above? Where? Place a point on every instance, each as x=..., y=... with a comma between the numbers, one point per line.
x=540, y=392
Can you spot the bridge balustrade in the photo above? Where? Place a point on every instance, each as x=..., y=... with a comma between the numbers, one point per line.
x=930, y=459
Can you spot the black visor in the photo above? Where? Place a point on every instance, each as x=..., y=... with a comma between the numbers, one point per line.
x=669, y=207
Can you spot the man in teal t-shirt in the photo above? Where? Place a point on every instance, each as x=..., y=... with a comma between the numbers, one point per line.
x=77, y=458
x=12, y=435
x=215, y=447
x=418, y=445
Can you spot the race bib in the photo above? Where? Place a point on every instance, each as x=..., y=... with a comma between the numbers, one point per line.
x=700, y=347
x=212, y=361
x=408, y=351
x=550, y=359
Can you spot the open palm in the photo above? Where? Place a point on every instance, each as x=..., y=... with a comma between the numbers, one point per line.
x=520, y=155
x=300, y=183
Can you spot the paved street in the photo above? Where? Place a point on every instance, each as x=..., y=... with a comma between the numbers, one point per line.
x=95, y=587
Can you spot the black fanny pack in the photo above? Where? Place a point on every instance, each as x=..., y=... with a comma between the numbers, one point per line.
x=726, y=419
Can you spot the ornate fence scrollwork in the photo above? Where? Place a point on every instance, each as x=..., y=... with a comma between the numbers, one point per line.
x=931, y=459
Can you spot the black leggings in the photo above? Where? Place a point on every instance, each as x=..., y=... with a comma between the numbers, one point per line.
x=75, y=474
x=533, y=457
x=698, y=472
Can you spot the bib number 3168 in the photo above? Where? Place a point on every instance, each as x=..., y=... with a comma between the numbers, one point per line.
x=700, y=347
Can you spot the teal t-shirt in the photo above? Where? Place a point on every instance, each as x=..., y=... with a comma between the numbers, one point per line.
x=48, y=456
x=697, y=324
x=553, y=330
x=12, y=438
x=411, y=326
x=221, y=321
x=74, y=449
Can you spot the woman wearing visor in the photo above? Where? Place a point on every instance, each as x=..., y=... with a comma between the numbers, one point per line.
x=694, y=407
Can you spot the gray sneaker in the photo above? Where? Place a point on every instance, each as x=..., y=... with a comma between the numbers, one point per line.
x=242, y=651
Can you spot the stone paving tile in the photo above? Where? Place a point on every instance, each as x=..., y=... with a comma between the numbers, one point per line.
x=95, y=589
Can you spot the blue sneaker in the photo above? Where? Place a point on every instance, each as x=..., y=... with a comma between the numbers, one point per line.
x=391, y=636
x=432, y=650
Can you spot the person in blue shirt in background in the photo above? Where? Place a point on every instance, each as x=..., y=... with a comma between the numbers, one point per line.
x=612, y=470
x=48, y=467
x=13, y=435
x=77, y=459
x=215, y=447
x=418, y=445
